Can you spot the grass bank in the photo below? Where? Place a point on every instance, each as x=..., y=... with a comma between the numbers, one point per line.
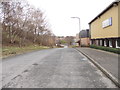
x=13, y=50
x=109, y=49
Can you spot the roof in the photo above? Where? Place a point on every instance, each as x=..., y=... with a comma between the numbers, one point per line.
x=110, y=6
x=84, y=33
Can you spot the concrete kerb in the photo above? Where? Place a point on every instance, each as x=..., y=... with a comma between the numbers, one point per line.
x=109, y=75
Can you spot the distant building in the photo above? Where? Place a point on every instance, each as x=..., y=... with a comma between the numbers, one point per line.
x=84, y=37
x=105, y=28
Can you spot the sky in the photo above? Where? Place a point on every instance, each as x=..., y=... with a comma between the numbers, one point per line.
x=59, y=12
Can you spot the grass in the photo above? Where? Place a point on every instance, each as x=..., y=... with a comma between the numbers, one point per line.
x=109, y=49
x=13, y=50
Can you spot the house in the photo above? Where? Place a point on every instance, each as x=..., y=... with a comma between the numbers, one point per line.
x=84, y=37
x=105, y=27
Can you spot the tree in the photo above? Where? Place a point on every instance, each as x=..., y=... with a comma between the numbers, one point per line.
x=22, y=23
x=69, y=40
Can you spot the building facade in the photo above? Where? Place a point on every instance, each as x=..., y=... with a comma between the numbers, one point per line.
x=105, y=28
x=84, y=37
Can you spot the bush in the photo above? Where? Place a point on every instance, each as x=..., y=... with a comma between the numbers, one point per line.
x=114, y=50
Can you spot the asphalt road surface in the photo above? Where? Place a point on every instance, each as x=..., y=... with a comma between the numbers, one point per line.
x=52, y=68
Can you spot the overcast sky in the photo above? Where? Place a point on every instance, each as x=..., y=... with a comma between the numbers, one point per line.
x=59, y=13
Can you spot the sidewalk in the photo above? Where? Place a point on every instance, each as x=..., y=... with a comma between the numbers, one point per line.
x=106, y=60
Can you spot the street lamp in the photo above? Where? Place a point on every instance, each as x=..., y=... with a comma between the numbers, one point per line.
x=79, y=22
x=79, y=28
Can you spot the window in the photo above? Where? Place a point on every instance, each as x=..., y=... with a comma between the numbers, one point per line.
x=118, y=43
x=107, y=22
x=97, y=42
x=100, y=42
x=110, y=43
x=105, y=43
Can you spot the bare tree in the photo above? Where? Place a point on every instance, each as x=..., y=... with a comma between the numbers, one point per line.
x=22, y=23
x=69, y=40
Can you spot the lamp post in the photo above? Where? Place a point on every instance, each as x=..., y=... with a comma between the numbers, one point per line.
x=79, y=28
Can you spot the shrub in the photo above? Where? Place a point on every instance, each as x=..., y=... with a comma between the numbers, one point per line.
x=114, y=50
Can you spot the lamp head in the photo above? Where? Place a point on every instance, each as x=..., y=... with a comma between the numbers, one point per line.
x=75, y=17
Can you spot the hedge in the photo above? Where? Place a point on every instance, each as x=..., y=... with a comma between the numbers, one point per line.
x=114, y=50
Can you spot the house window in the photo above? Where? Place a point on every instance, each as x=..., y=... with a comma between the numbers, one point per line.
x=118, y=43
x=107, y=22
x=97, y=42
x=105, y=43
x=110, y=43
x=100, y=42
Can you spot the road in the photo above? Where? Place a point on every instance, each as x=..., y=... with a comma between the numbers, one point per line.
x=52, y=68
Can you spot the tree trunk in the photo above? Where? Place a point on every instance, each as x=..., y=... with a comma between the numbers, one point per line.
x=20, y=42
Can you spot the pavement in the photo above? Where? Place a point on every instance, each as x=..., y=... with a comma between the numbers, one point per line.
x=106, y=61
x=53, y=68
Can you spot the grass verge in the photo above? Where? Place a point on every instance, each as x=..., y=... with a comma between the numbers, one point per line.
x=109, y=49
x=13, y=50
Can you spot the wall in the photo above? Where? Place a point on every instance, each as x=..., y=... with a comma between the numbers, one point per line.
x=109, y=32
x=85, y=41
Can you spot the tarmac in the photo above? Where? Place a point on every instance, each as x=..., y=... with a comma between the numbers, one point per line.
x=53, y=68
x=107, y=62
